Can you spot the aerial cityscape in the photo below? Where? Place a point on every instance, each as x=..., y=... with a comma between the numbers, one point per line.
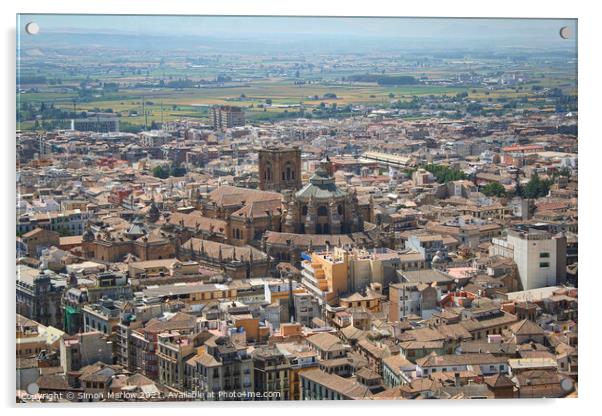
x=295, y=208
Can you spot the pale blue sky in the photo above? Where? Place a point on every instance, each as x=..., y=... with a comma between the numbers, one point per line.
x=271, y=35
x=527, y=30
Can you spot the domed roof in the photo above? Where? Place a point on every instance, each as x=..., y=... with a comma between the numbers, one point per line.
x=88, y=234
x=137, y=229
x=153, y=213
x=321, y=186
x=439, y=257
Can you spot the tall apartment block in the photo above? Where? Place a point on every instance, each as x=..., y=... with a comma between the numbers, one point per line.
x=225, y=116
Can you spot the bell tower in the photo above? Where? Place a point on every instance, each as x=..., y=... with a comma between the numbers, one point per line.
x=279, y=169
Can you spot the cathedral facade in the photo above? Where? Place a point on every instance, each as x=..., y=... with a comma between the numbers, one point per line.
x=321, y=207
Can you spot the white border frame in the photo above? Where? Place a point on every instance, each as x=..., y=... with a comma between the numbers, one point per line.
x=589, y=151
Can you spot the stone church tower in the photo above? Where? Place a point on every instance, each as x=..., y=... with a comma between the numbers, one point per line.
x=279, y=169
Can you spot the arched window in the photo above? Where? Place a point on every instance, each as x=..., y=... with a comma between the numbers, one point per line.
x=289, y=169
x=304, y=210
x=322, y=211
x=340, y=209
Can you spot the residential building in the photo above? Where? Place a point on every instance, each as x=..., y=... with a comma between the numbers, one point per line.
x=539, y=256
x=271, y=372
x=221, y=370
x=225, y=117
x=319, y=385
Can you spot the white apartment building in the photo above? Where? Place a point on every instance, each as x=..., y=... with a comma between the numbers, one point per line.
x=539, y=256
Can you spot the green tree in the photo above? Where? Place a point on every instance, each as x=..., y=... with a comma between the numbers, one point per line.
x=445, y=174
x=177, y=171
x=161, y=172
x=536, y=188
x=494, y=189
x=474, y=108
x=566, y=172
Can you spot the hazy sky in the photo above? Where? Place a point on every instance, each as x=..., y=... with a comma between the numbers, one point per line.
x=527, y=30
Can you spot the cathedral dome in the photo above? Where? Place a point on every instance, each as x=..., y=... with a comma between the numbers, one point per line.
x=321, y=186
x=88, y=234
x=321, y=207
x=153, y=214
x=439, y=257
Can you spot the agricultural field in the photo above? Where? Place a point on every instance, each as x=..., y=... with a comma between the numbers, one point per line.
x=146, y=88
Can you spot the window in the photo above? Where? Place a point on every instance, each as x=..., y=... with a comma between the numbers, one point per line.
x=322, y=211
x=544, y=255
x=545, y=264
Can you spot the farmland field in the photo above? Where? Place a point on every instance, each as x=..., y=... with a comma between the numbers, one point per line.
x=144, y=88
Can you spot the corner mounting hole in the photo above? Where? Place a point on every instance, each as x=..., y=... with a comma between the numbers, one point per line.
x=32, y=28
x=565, y=32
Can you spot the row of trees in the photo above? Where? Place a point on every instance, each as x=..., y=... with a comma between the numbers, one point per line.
x=444, y=173
x=165, y=171
x=32, y=111
x=382, y=79
x=535, y=188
